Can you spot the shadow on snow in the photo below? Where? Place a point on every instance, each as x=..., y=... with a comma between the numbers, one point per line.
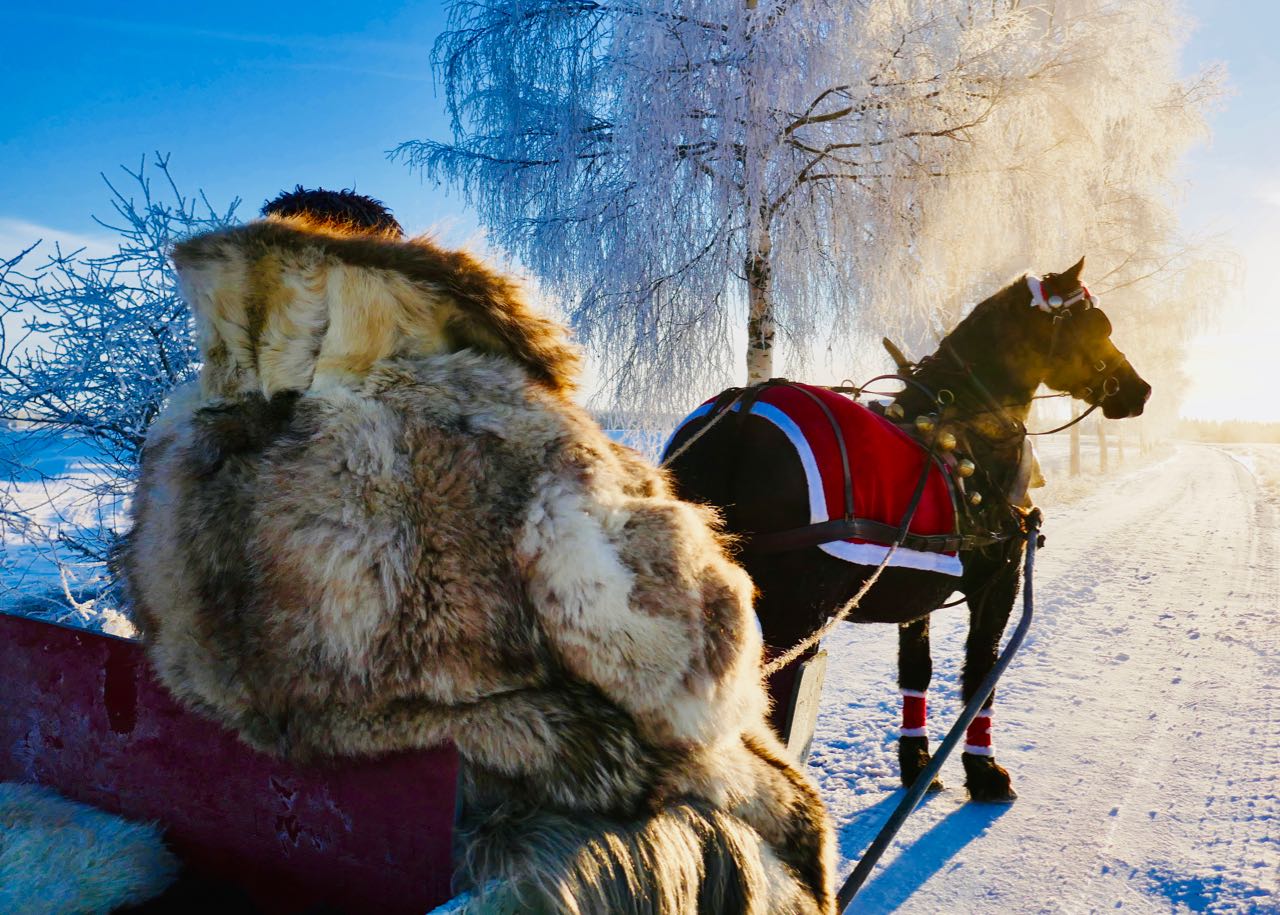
x=892, y=885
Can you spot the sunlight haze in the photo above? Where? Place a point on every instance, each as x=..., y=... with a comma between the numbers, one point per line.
x=243, y=97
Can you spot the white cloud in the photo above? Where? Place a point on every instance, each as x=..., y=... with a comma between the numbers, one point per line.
x=18, y=234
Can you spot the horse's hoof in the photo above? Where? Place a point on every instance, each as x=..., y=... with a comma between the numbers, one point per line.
x=914, y=758
x=935, y=786
x=988, y=781
x=1008, y=796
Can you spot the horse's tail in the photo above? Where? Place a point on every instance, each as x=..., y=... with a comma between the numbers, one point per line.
x=686, y=857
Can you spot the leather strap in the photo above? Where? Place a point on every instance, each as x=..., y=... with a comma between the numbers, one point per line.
x=848, y=527
x=798, y=538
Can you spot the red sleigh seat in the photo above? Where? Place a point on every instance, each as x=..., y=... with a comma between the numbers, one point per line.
x=81, y=713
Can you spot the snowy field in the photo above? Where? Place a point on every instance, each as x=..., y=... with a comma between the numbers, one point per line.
x=1140, y=722
x=53, y=494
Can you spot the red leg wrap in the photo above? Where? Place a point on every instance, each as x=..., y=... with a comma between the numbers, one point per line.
x=977, y=739
x=914, y=714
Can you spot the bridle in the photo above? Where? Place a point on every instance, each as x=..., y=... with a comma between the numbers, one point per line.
x=1104, y=377
x=1065, y=321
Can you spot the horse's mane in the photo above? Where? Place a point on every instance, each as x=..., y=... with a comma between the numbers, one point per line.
x=976, y=339
x=982, y=313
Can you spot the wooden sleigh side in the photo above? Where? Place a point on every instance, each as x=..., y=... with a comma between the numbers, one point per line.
x=81, y=713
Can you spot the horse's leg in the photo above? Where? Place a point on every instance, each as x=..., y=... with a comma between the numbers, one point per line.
x=915, y=670
x=989, y=612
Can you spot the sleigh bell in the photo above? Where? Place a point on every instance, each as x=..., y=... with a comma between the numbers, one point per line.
x=894, y=411
x=946, y=441
x=966, y=468
x=975, y=499
x=926, y=423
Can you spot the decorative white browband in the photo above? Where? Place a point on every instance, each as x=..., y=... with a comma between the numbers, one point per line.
x=1054, y=302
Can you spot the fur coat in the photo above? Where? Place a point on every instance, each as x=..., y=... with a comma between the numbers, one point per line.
x=378, y=522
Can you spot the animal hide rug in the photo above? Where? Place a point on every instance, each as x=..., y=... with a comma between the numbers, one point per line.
x=58, y=857
x=379, y=522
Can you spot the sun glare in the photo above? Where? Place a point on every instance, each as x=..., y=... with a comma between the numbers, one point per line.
x=1229, y=366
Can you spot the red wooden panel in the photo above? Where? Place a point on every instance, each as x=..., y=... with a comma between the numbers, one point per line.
x=81, y=713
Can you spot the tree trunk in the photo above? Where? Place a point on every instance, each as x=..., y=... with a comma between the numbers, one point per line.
x=1075, y=441
x=1102, y=446
x=760, y=325
x=1119, y=444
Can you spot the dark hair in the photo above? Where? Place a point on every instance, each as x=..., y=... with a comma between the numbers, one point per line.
x=339, y=209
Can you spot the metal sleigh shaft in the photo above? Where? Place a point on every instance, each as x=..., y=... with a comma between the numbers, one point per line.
x=918, y=788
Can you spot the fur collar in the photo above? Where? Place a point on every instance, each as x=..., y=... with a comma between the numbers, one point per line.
x=284, y=304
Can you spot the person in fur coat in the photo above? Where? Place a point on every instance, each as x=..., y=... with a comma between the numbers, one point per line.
x=379, y=522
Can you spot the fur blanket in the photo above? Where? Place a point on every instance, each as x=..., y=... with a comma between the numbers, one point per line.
x=378, y=522
x=58, y=857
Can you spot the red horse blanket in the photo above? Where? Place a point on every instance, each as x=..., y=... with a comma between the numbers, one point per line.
x=884, y=464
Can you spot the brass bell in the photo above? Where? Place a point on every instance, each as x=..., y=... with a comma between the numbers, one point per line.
x=966, y=468
x=946, y=441
x=926, y=423
x=975, y=499
x=894, y=411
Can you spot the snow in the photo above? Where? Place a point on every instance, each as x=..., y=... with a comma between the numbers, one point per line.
x=1140, y=722
x=54, y=491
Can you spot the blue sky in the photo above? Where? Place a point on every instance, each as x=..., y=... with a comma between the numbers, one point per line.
x=248, y=97
x=253, y=98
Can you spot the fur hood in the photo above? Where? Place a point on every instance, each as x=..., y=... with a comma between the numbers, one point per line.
x=287, y=304
x=377, y=523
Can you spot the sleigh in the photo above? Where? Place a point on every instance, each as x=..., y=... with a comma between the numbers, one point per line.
x=83, y=715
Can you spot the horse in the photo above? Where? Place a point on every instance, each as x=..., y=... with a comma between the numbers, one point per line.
x=972, y=396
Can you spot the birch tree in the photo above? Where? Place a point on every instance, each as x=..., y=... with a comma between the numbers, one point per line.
x=675, y=169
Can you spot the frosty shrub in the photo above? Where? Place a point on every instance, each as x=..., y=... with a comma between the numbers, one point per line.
x=90, y=346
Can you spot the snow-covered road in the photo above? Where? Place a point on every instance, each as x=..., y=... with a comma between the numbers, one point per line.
x=1141, y=721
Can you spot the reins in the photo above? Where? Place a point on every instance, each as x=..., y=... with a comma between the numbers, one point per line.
x=715, y=418
x=852, y=603
x=1067, y=425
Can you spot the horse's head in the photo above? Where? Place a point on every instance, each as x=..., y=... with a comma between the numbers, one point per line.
x=1075, y=338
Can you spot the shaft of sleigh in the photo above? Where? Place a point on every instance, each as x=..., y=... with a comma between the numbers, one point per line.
x=918, y=788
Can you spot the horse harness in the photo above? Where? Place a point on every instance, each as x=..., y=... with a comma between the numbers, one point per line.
x=850, y=526
x=977, y=536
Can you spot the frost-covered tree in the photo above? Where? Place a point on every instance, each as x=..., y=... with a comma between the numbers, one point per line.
x=671, y=167
x=90, y=346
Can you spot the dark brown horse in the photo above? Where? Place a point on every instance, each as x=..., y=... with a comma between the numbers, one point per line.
x=978, y=387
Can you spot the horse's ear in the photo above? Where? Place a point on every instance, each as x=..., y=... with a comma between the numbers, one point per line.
x=1073, y=273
